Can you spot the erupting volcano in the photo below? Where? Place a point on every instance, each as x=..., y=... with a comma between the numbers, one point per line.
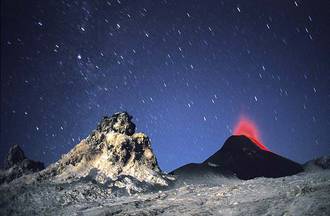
x=243, y=156
x=248, y=128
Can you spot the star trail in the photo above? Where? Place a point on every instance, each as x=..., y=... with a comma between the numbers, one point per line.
x=185, y=70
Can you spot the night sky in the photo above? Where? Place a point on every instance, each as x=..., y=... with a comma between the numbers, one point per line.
x=186, y=71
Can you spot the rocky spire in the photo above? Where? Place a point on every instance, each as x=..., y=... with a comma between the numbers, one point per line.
x=120, y=122
x=110, y=152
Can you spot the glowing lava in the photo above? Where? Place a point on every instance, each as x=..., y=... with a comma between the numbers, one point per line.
x=248, y=128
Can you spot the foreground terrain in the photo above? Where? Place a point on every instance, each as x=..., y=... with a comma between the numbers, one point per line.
x=306, y=193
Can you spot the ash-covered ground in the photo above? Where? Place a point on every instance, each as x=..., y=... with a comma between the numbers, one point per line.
x=303, y=194
x=307, y=193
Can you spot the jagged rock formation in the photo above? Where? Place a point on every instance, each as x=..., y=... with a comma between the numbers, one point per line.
x=113, y=153
x=17, y=165
x=243, y=158
x=318, y=164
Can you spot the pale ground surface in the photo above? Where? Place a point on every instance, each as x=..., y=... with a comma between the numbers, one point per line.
x=307, y=193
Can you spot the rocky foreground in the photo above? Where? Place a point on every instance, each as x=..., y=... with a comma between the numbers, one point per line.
x=115, y=172
x=306, y=193
x=303, y=194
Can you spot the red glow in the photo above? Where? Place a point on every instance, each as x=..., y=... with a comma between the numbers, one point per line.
x=248, y=128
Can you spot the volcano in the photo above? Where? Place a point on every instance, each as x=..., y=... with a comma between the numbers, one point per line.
x=245, y=158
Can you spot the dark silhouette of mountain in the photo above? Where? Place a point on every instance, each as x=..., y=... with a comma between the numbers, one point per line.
x=17, y=164
x=242, y=157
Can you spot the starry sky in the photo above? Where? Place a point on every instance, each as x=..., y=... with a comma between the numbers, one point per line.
x=186, y=71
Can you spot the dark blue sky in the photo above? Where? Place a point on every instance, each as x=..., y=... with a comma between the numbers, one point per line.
x=186, y=71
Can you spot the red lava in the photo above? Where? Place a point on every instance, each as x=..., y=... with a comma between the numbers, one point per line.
x=248, y=128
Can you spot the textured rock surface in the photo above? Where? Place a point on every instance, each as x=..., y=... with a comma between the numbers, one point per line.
x=323, y=162
x=318, y=164
x=110, y=152
x=120, y=122
x=306, y=193
x=17, y=165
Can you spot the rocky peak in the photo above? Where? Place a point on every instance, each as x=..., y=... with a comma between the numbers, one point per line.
x=15, y=156
x=120, y=122
x=112, y=151
x=17, y=165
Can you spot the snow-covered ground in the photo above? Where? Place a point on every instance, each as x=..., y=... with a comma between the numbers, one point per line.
x=307, y=193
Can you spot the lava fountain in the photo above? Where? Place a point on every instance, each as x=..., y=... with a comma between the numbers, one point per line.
x=249, y=129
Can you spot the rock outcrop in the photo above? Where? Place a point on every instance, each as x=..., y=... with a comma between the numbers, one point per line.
x=17, y=165
x=318, y=164
x=111, y=154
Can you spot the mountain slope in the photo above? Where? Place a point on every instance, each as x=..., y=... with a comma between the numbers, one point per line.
x=243, y=158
